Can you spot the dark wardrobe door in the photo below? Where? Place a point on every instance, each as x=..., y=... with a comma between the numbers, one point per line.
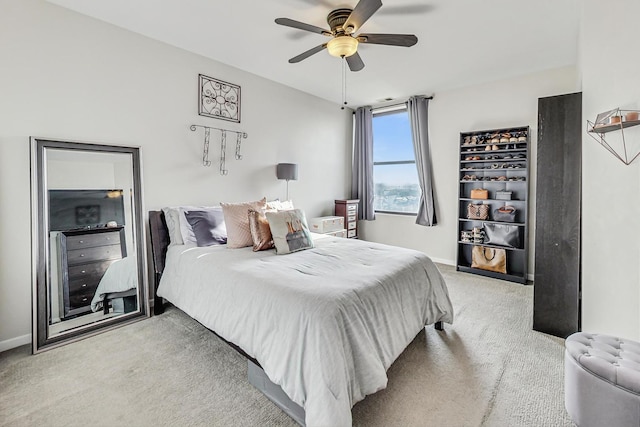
x=556, y=302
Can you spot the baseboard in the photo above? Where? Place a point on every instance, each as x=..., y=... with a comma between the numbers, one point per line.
x=15, y=342
x=443, y=261
x=453, y=264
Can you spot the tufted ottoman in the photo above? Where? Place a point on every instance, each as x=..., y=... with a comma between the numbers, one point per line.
x=602, y=380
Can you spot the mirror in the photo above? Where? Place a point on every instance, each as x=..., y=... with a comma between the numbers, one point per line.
x=88, y=240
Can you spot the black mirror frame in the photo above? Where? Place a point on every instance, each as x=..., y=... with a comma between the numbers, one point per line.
x=41, y=340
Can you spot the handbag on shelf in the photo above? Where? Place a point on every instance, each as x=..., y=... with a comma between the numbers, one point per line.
x=490, y=259
x=480, y=193
x=503, y=195
x=480, y=212
x=502, y=235
x=505, y=214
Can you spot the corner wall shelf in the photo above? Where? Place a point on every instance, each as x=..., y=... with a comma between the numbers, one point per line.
x=615, y=120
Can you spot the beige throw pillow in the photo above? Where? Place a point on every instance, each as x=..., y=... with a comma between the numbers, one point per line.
x=236, y=218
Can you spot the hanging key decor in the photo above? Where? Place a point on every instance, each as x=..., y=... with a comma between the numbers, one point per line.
x=238, y=144
x=205, y=155
x=223, y=154
x=223, y=146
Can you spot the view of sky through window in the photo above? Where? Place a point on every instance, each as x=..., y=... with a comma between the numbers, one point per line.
x=396, y=186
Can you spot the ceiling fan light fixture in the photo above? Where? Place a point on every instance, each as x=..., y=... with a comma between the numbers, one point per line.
x=342, y=46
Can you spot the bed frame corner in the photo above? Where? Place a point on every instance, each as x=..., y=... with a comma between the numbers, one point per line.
x=159, y=234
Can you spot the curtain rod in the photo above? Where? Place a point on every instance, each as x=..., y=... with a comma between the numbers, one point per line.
x=400, y=103
x=397, y=105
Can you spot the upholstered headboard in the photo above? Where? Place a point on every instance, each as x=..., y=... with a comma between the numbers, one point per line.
x=159, y=243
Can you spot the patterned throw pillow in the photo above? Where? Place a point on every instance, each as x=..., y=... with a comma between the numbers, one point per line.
x=290, y=231
x=236, y=217
x=260, y=231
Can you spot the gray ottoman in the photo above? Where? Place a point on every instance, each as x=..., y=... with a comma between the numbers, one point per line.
x=602, y=380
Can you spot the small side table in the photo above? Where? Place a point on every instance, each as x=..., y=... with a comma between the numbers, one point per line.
x=348, y=209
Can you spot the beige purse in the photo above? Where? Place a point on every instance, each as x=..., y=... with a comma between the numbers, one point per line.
x=490, y=259
x=479, y=193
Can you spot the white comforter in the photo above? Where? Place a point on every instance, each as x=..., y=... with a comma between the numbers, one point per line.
x=121, y=276
x=325, y=324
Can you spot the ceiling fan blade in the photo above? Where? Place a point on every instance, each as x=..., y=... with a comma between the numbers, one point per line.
x=305, y=55
x=355, y=62
x=389, y=39
x=302, y=26
x=361, y=13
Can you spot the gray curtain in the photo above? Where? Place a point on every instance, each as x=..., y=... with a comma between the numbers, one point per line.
x=362, y=171
x=418, y=108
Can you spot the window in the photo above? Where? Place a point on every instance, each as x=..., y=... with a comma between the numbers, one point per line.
x=395, y=178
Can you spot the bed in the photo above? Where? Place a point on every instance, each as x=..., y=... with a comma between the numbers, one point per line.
x=323, y=324
x=118, y=285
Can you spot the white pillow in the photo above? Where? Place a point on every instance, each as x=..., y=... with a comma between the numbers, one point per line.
x=171, y=216
x=277, y=205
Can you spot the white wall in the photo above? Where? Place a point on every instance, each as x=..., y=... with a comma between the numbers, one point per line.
x=502, y=104
x=611, y=203
x=70, y=77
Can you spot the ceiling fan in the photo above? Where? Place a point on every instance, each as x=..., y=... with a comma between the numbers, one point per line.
x=344, y=24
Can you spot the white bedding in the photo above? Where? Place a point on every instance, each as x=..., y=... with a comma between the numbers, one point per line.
x=121, y=276
x=325, y=323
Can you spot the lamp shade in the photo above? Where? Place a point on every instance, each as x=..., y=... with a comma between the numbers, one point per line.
x=288, y=171
x=342, y=46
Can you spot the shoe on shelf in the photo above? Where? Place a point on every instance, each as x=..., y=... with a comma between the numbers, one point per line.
x=494, y=148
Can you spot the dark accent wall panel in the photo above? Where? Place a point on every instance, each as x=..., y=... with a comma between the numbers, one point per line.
x=556, y=302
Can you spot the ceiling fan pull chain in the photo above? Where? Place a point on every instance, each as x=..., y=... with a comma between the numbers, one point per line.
x=344, y=83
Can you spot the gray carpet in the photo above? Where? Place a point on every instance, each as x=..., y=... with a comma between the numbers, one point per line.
x=487, y=369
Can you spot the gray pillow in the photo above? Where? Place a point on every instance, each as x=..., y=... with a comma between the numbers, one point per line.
x=208, y=226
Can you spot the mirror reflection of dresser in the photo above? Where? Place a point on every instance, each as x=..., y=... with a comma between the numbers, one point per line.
x=85, y=256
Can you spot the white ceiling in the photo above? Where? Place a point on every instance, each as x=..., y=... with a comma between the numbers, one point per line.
x=460, y=42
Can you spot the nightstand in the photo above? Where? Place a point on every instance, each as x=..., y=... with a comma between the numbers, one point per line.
x=330, y=225
x=348, y=209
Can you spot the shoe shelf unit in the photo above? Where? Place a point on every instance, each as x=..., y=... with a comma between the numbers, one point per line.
x=495, y=160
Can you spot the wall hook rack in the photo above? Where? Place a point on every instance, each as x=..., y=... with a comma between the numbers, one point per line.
x=223, y=145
